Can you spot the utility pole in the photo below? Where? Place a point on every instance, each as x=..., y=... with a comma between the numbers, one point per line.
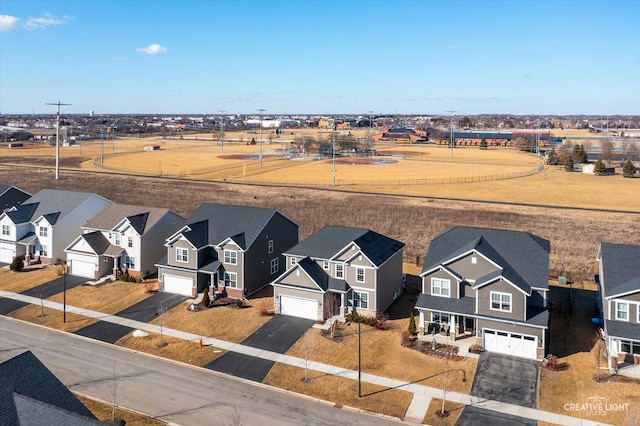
x=261, y=110
x=333, y=156
x=451, y=142
x=370, y=135
x=57, y=136
x=222, y=129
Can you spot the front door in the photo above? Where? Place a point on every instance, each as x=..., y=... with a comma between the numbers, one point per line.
x=469, y=325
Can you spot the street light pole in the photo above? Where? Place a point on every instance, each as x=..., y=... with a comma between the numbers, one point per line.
x=359, y=364
x=261, y=110
x=333, y=156
x=57, y=104
x=64, y=296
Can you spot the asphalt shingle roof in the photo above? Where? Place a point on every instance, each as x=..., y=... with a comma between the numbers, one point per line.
x=141, y=218
x=47, y=202
x=26, y=375
x=625, y=330
x=214, y=223
x=620, y=268
x=328, y=241
x=524, y=257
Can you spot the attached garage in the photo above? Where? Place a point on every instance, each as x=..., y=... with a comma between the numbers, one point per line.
x=7, y=252
x=177, y=285
x=82, y=269
x=298, y=307
x=510, y=343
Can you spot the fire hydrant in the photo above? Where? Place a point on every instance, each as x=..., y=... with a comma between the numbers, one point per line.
x=200, y=343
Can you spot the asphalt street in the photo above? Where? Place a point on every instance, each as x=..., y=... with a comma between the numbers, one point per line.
x=167, y=390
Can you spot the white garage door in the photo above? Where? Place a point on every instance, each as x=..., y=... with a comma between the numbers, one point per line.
x=177, y=285
x=296, y=307
x=7, y=252
x=82, y=269
x=510, y=343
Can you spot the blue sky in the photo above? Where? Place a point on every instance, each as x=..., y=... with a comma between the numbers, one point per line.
x=405, y=57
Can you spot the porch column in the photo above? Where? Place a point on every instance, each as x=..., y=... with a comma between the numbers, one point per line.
x=421, y=321
x=453, y=326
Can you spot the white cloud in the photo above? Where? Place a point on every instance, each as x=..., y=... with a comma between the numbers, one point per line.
x=44, y=21
x=153, y=49
x=8, y=23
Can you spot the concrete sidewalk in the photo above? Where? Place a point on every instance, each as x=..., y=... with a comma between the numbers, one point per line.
x=421, y=394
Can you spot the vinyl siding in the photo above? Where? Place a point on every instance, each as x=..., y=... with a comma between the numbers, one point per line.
x=191, y=259
x=453, y=288
x=389, y=281
x=517, y=301
x=299, y=278
x=470, y=271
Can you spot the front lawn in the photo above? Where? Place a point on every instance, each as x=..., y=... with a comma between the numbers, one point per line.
x=18, y=282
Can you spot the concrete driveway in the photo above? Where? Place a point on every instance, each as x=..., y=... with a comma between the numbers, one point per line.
x=277, y=335
x=502, y=378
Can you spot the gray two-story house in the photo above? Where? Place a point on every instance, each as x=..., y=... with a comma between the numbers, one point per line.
x=489, y=284
x=619, y=291
x=337, y=269
x=235, y=249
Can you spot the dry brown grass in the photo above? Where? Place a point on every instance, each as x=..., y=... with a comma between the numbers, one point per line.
x=222, y=322
x=18, y=282
x=453, y=408
x=103, y=412
x=52, y=318
x=383, y=355
x=377, y=399
x=576, y=384
x=108, y=298
x=176, y=349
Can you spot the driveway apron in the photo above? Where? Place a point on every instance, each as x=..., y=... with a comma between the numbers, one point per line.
x=503, y=378
x=277, y=335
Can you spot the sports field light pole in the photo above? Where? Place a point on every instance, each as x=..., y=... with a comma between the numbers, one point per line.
x=370, y=135
x=57, y=136
x=333, y=155
x=222, y=129
x=451, y=141
x=261, y=110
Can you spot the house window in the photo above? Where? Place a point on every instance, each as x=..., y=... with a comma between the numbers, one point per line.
x=360, y=275
x=43, y=231
x=230, y=257
x=439, y=317
x=129, y=242
x=440, y=287
x=231, y=279
x=474, y=260
x=6, y=230
x=622, y=311
x=182, y=255
x=274, y=265
x=625, y=346
x=116, y=238
x=325, y=265
x=130, y=262
x=360, y=299
x=44, y=250
x=339, y=270
x=293, y=261
x=500, y=301
x=270, y=246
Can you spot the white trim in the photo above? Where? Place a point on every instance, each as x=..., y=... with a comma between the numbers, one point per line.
x=183, y=251
x=364, y=275
x=442, y=280
x=231, y=258
x=503, y=279
x=500, y=293
x=495, y=319
x=615, y=310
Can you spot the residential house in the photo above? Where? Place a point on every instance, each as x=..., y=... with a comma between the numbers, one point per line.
x=488, y=284
x=619, y=291
x=122, y=237
x=44, y=225
x=30, y=394
x=224, y=248
x=11, y=196
x=337, y=268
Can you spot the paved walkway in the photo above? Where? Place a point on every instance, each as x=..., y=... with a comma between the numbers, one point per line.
x=421, y=394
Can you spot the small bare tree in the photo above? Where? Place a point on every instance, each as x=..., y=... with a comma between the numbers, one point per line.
x=117, y=367
x=238, y=418
x=598, y=349
x=40, y=294
x=162, y=309
x=307, y=350
x=445, y=383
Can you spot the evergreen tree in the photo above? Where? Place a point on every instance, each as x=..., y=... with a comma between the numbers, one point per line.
x=628, y=169
x=599, y=168
x=412, y=325
x=483, y=144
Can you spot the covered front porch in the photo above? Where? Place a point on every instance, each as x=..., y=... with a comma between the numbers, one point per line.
x=446, y=324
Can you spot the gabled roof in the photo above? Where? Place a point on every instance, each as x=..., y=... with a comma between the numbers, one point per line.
x=330, y=240
x=25, y=375
x=523, y=257
x=53, y=204
x=141, y=218
x=620, y=269
x=210, y=224
x=11, y=196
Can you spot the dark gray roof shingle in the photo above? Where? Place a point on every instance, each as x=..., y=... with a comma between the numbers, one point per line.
x=26, y=375
x=141, y=218
x=328, y=241
x=620, y=268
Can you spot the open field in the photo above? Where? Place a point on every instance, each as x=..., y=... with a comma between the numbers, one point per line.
x=574, y=234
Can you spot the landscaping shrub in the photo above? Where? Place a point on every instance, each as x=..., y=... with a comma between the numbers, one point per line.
x=380, y=321
x=17, y=264
x=354, y=316
x=406, y=339
x=239, y=303
x=266, y=309
x=412, y=325
x=205, y=299
x=551, y=362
